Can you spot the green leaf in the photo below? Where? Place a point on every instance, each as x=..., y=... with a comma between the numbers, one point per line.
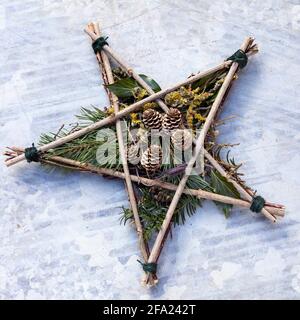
x=125, y=88
x=152, y=83
x=222, y=186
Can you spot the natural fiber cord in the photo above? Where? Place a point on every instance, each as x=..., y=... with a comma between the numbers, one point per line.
x=32, y=154
x=148, y=267
x=257, y=204
x=99, y=44
x=239, y=57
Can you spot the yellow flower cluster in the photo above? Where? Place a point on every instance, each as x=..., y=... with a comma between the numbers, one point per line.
x=110, y=110
x=140, y=94
x=199, y=117
x=190, y=117
x=150, y=105
x=199, y=98
x=135, y=118
x=191, y=113
x=175, y=99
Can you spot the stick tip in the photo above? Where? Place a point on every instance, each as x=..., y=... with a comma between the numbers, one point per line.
x=149, y=283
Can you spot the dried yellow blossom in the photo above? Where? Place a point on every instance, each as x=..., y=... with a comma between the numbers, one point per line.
x=140, y=94
x=175, y=99
x=186, y=93
x=191, y=114
x=199, y=117
x=199, y=98
x=134, y=118
x=189, y=120
x=150, y=105
x=110, y=111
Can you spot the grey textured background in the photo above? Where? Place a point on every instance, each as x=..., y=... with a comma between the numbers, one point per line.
x=59, y=234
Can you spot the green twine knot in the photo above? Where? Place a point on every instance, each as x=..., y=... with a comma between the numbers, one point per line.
x=32, y=154
x=99, y=44
x=148, y=267
x=257, y=204
x=239, y=57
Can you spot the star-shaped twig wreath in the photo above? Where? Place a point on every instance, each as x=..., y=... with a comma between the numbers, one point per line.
x=161, y=142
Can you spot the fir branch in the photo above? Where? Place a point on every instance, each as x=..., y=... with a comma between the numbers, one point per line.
x=152, y=212
x=84, y=149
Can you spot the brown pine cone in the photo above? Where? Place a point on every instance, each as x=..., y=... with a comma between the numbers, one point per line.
x=171, y=120
x=151, y=158
x=182, y=139
x=152, y=119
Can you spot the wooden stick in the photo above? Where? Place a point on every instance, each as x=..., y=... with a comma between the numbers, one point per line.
x=199, y=145
x=160, y=102
x=241, y=190
x=113, y=118
x=269, y=204
x=91, y=27
x=130, y=71
x=199, y=193
x=109, y=79
x=86, y=167
x=136, y=76
x=123, y=64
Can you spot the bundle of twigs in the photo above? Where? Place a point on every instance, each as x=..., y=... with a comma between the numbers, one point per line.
x=55, y=150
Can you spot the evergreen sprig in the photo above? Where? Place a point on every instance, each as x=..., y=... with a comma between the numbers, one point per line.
x=85, y=149
x=153, y=212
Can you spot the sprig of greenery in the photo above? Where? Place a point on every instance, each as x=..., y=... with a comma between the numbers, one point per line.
x=222, y=186
x=153, y=212
x=85, y=148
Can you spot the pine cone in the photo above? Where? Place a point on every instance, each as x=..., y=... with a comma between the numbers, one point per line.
x=151, y=158
x=182, y=139
x=133, y=155
x=152, y=119
x=171, y=120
